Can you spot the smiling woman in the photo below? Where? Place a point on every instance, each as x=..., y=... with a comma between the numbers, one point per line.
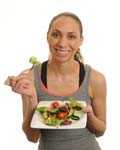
x=61, y=77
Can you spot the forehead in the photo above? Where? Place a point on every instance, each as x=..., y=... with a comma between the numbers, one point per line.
x=65, y=23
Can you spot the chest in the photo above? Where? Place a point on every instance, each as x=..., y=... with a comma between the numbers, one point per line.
x=63, y=86
x=66, y=86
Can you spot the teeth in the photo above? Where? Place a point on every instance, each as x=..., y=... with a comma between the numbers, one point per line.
x=62, y=52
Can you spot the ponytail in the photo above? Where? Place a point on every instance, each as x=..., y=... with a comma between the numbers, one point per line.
x=78, y=56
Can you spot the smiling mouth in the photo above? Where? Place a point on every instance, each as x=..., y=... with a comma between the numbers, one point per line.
x=62, y=52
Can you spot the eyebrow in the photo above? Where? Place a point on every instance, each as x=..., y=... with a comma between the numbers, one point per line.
x=57, y=30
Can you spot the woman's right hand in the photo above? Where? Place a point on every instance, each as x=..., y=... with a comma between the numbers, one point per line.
x=23, y=84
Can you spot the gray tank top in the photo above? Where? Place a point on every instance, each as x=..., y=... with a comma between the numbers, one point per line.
x=80, y=94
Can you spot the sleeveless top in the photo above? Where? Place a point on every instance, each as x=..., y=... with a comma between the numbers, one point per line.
x=44, y=72
x=62, y=135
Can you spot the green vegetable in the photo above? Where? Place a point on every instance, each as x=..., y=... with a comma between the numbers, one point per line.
x=52, y=121
x=78, y=113
x=78, y=107
x=74, y=104
x=54, y=111
x=41, y=109
x=33, y=60
x=73, y=117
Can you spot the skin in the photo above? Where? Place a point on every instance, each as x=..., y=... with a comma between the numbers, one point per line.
x=64, y=39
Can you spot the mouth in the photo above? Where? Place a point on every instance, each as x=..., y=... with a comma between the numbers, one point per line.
x=62, y=52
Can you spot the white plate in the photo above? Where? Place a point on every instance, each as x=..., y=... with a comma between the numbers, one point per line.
x=38, y=123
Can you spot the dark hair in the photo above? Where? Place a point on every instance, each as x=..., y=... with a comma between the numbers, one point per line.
x=78, y=55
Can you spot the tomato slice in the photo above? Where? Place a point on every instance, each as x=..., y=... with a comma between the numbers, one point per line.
x=61, y=115
x=55, y=104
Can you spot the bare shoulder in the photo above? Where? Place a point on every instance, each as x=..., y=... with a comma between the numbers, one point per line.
x=97, y=82
x=97, y=77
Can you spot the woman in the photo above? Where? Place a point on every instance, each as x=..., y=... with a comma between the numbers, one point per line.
x=62, y=76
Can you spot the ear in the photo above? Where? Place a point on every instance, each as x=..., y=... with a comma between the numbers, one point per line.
x=81, y=40
x=48, y=36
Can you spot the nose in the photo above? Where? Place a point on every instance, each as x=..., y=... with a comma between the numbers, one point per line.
x=63, y=42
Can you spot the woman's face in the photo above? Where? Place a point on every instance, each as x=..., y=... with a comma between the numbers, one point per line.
x=64, y=39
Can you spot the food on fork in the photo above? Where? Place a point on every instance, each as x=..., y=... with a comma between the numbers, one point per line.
x=33, y=60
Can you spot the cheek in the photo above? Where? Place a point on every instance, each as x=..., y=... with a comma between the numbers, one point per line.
x=52, y=41
x=74, y=46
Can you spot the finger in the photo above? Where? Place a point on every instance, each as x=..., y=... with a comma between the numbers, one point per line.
x=24, y=78
x=12, y=80
x=84, y=109
x=15, y=90
x=22, y=85
x=12, y=83
x=18, y=80
x=25, y=86
x=24, y=81
x=18, y=85
x=18, y=90
x=88, y=109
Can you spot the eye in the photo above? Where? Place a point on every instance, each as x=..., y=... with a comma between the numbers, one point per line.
x=71, y=37
x=55, y=34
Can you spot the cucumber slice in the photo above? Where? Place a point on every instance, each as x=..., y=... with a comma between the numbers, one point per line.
x=73, y=117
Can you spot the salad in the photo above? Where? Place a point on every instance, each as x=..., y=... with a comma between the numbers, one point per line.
x=60, y=113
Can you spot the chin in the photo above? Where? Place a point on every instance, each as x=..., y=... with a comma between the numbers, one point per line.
x=62, y=59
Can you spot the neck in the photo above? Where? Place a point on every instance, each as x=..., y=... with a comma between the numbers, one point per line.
x=63, y=69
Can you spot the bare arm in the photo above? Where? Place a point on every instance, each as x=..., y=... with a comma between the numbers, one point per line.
x=97, y=117
x=32, y=134
x=29, y=105
x=24, y=85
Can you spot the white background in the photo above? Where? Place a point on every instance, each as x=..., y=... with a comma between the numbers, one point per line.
x=23, y=27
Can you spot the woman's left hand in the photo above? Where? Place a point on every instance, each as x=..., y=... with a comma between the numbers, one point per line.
x=88, y=109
